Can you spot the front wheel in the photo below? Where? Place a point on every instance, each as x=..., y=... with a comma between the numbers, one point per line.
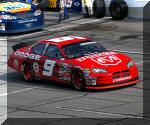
x=27, y=71
x=78, y=80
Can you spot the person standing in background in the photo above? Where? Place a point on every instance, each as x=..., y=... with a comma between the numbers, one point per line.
x=63, y=14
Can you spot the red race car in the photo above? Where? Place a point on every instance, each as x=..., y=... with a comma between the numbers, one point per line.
x=74, y=60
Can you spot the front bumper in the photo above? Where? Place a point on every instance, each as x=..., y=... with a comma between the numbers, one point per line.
x=117, y=78
x=21, y=25
x=113, y=85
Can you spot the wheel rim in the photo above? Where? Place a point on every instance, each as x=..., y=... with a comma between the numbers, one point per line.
x=27, y=72
x=78, y=81
x=115, y=10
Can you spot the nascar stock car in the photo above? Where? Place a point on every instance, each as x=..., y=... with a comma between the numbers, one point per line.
x=74, y=60
x=19, y=16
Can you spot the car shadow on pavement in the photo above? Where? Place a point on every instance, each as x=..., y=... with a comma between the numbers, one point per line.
x=16, y=79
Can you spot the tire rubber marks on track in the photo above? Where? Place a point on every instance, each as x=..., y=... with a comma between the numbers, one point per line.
x=65, y=27
x=101, y=113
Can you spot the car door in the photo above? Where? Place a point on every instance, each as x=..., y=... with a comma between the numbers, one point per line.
x=38, y=49
x=51, y=61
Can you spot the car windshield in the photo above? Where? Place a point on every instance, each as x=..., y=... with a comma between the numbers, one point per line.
x=80, y=49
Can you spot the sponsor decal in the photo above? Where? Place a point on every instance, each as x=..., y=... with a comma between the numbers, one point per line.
x=91, y=81
x=76, y=4
x=28, y=25
x=36, y=67
x=64, y=71
x=1, y=16
x=27, y=55
x=86, y=70
x=15, y=7
x=61, y=70
x=26, y=21
x=105, y=58
x=16, y=63
x=61, y=64
x=121, y=79
x=52, y=3
x=61, y=76
x=86, y=74
x=67, y=76
x=67, y=69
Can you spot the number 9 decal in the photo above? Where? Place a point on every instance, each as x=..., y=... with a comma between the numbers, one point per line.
x=48, y=67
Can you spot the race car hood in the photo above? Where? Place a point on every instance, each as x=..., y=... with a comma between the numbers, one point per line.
x=15, y=7
x=106, y=60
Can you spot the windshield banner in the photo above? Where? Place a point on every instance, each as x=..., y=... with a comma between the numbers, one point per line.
x=15, y=7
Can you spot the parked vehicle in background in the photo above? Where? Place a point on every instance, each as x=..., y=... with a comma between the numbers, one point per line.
x=19, y=16
x=118, y=9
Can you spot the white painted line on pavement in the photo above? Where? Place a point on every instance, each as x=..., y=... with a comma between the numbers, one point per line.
x=59, y=28
x=17, y=91
x=101, y=113
x=2, y=39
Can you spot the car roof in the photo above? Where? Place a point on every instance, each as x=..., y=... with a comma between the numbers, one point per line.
x=64, y=40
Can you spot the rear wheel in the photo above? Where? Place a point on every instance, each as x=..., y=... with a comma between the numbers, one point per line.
x=118, y=9
x=27, y=71
x=78, y=80
x=99, y=8
x=43, y=4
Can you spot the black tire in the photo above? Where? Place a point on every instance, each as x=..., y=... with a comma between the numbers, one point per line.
x=78, y=75
x=27, y=71
x=99, y=8
x=43, y=4
x=118, y=9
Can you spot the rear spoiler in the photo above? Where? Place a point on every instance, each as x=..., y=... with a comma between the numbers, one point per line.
x=23, y=44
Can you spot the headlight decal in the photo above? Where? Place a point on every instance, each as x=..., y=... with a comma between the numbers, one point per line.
x=99, y=70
